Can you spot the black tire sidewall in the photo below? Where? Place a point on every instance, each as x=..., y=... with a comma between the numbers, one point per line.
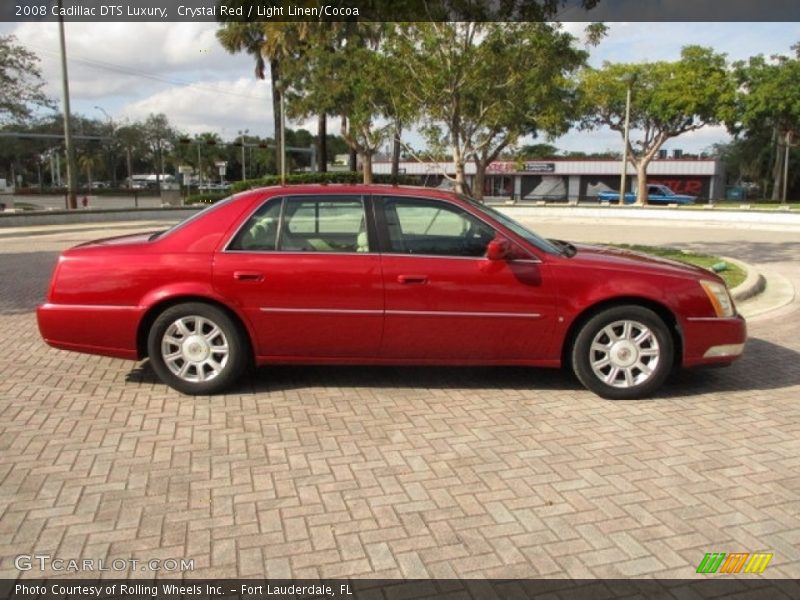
x=581, y=352
x=237, y=360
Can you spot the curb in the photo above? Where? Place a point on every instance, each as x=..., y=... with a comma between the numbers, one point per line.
x=753, y=285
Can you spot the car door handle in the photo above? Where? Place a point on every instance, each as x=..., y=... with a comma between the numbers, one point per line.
x=248, y=276
x=409, y=279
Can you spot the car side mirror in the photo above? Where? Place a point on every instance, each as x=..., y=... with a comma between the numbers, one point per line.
x=498, y=249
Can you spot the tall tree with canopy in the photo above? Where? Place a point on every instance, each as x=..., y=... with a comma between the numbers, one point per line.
x=483, y=86
x=769, y=100
x=21, y=84
x=668, y=99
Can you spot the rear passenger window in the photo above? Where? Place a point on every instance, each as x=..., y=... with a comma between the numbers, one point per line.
x=305, y=224
x=324, y=224
x=260, y=232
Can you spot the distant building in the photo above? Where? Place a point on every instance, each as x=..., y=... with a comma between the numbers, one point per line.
x=571, y=179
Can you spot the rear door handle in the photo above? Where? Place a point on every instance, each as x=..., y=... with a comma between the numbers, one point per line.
x=248, y=276
x=410, y=279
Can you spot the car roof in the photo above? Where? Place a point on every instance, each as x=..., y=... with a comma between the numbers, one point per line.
x=352, y=188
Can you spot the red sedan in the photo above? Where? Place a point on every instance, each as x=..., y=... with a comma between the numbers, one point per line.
x=382, y=275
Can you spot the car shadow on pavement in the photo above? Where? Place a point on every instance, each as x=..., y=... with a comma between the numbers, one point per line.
x=270, y=379
x=297, y=377
x=764, y=366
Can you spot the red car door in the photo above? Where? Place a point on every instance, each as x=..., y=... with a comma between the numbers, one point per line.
x=302, y=271
x=446, y=301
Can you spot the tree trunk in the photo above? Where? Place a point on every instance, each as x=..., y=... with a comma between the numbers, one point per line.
x=322, y=143
x=396, y=154
x=479, y=181
x=366, y=159
x=641, y=185
x=353, y=160
x=275, y=78
x=777, y=168
x=461, y=180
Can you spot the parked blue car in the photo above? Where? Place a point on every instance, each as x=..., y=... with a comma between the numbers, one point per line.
x=656, y=194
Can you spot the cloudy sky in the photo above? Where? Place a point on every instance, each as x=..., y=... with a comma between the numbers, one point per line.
x=130, y=70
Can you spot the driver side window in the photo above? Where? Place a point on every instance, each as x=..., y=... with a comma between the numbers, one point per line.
x=435, y=228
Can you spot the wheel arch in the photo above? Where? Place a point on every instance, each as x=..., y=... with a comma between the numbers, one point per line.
x=660, y=309
x=152, y=313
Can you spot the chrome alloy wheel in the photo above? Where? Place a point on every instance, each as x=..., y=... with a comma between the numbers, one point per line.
x=624, y=354
x=194, y=348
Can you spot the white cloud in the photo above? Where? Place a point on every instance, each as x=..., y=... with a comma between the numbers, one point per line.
x=133, y=69
x=222, y=106
x=129, y=59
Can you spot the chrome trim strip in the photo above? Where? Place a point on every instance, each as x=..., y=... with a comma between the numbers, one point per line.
x=700, y=319
x=452, y=313
x=724, y=350
x=406, y=313
x=333, y=311
x=55, y=305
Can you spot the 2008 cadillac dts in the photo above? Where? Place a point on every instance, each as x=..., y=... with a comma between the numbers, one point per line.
x=382, y=275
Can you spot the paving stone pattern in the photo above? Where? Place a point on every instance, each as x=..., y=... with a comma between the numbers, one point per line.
x=389, y=472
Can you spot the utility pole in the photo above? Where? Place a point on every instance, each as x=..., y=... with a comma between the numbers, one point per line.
x=72, y=191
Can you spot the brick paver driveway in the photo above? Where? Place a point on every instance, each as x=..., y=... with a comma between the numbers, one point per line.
x=395, y=472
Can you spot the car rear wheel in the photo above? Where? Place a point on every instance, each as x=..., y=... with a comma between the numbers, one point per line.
x=196, y=348
x=623, y=353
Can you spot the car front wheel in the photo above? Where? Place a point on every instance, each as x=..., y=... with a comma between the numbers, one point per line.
x=623, y=353
x=196, y=348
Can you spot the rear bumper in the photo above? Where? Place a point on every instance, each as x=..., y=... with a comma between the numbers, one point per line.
x=104, y=330
x=713, y=341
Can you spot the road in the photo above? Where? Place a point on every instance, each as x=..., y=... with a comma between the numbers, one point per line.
x=402, y=472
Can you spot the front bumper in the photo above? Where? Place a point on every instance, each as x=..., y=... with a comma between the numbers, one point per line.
x=713, y=341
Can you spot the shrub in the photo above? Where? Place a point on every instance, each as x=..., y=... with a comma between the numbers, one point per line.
x=332, y=177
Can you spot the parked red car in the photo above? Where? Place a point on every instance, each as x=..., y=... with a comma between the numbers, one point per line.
x=382, y=275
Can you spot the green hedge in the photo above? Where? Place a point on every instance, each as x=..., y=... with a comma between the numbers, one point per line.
x=333, y=177
x=205, y=197
x=298, y=179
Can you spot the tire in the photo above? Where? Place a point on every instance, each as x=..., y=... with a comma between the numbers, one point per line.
x=623, y=353
x=197, y=363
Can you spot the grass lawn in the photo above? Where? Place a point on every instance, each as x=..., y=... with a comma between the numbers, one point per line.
x=733, y=275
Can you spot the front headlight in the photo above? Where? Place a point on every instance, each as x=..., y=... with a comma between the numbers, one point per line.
x=720, y=299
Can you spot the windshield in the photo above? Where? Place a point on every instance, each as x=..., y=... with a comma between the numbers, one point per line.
x=197, y=215
x=517, y=228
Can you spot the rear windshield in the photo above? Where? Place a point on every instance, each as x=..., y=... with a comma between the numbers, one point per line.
x=205, y=211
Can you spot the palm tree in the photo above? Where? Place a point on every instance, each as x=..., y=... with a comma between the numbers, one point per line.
x=271, y=43
x=88, y=162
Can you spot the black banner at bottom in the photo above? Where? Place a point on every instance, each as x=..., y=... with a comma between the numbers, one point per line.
x=399, y=589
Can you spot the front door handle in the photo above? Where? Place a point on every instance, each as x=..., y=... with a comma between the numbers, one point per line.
x=410, y=279
x=248, y=276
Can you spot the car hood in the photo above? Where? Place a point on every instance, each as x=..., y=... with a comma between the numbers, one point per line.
x=621, y=259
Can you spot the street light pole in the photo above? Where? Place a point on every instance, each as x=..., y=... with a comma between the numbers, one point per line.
x=113, y=148
x=625, y=136
x=283, y=139
x=244, y=167
x=72, y=192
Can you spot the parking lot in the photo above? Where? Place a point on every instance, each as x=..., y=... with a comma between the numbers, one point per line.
x=309, y=472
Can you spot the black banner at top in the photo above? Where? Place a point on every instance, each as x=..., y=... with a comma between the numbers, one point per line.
x=399, y=10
